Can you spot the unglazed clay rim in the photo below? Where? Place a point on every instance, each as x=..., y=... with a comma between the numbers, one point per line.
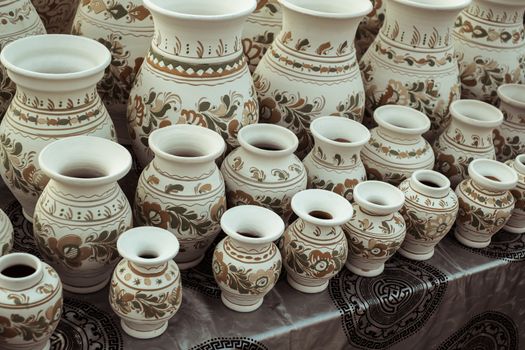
x=154, y=7
x=78, y=40
x=507, y=176
x=141, y=236
x=335, y=15
x=510, y=100
x=351, y=124
x=324, y=200
x=386, y=111
x=24, y=259
x=271, y=132
x=458, y=4
x=485, y=108
x=388, y=208
x=519, y=163
x=238, y=214
x=430, y=175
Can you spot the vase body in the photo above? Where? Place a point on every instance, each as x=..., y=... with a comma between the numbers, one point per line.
x=369, y=27
x=57, y=15
x=489, y=41
x=19, y=19
x=334, y=164
x=396, y=147
x=247, y=254
x=467, y=137
x=430, y=210
x=485, y=202
x=264, y=170
x=311, y=70
x=376, y=230
x=194, y=73
x=30, y=302
x=516, y=223
x=260, y=29
x=412, y=63
x=509, y=138
x=182, y=189
x=146, y=289
x=6, y=234
x=82, y=211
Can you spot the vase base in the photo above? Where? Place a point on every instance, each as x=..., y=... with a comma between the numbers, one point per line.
x=469, y=243
x=26, y=216
x=414, y=256
x=365, y=273
x=88, y=289
x=143, y=334
x=513, y=229
x=241, y=308
x=306, y=289
x=189, y=264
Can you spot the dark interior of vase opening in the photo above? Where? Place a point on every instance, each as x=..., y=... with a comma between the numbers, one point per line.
x=267, y=145
x=429, y=183
x=148, y=255
x=492, y=177
x=185, y=152
x=249, y=233
x=201, y=7
x=342, y=139
x=321, y=214
x=84, y=173
x=18, y=271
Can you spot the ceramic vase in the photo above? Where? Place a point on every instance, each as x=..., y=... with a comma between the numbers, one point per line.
x=485, y=202
x=82, y=211
x=6, y=234
x=377, y=228
x=396, y=147
x=509, y=138
x=247, y=264
x=30, y=302
x=56, y=97
x=314, y=247
x=412, y=63
x=430, y=210
x=516, y=223
x=182, y=189
x=490, y=44
x=467, y=137
x=146, y=289
x=18, y=20
x=311, y=70
x=264, y=170
x=334, y=164
x=369, y=27
x=260, y=29
x=57, y=15
x=194, y=73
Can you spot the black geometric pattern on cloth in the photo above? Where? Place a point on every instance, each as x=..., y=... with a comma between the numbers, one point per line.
x=237, y=343
x=504, y=246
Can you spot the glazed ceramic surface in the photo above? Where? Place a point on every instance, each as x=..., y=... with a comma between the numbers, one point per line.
x=247, y=264
x=82, y=211
x=57, y=15
x=194, y=73
x=146, y=289
x=310, y=70
x=369, y=27
x=485, y=202
x=30, y=302
x=264, y=170
x=182, y=190
x=6, y=234
x=396, y=147
x=516, y=223
x=509, y=138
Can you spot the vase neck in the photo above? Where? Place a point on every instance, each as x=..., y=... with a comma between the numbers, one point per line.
x=343, y=154
x=312, y=230
x=503, y=12
x=248, y=248
x=148, y=270
x=53, y=101
x=397, y=136
x=469, y=135
x=181, y=169
x=71, y=188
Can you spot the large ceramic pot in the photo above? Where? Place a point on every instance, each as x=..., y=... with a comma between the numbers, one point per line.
x=490, y=44
x=56, y=97
x=194, y=73
x=516, y=223
x=509, y=138
x=468, y=137
x=18, y=20
x=182, y=189
x=57, y=15
x=6, y=234
x=311, y=69
x=369, y=27
x=82, y=211
x=411, y=61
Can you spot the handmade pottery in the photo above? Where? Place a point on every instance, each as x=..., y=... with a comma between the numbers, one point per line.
x=82, y=211
x=260, y=29
x=485, y=202
x=264, y=170
x=490, y=44
x=311, y=70
x=246, y=264
x=6, y=234
x=56, y=97
x=57, y=15
x=516, y=223
x=412, y=63
x=194, y=73
x=467, y=137
x=396, y=148
x=335, y=163
x=146, y=289
x=30, y=302
x=430, y=210
x=369, y=28
x=509, y=138
x=314, y=246
x=182, y=189
x=376, y=230
x=18, y=20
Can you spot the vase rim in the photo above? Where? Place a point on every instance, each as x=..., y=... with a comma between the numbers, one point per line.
x=341, y=125
x=513, y=94
x=493, y=175
x=25, y=282
x=159, y=244
x=282, y=139
x=487, y=116
x=157, y=6
x=364, y=9
x=519, y=163
x=421, y=177
x=402, y=119
x=308, y=202
x=264, y=225
x=436, y=5
x=378, y=197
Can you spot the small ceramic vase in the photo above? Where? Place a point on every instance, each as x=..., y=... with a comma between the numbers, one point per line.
x=30, y=302
x=56, y=97
x=82, y=211
x=260, y=30
x=194, y=73
x=396, y=148
x=490, y=43
x=509, y=138
x=247, y=264
x=516, y=223
x=6, y=234
x=311, y=70
x=264, y=170
x=182, y=189
x=485, y=202
x=467, y=137
x=369, y=28
x=334, y=164
x=430, y=210
x=18, y=19
x=314, y=246
x=146, y=289
x=376, y=230
x=57, y=15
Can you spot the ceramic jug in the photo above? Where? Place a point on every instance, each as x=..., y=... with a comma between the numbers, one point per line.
x=57, y=15
x=516, y=223
x=509, y=138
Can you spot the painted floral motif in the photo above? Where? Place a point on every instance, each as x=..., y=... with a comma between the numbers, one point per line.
x=57, y=15
x=369, y=28
x=334, y=159
x=281, y=206
x=373, y=249
x=311, y=262
x=477, y=31
x=427, y=228
x=507, y=147
x=318, y=68
x=387, y=150
x=7, y=91
x=392, y=177
x=113, y=9
x=20, y=13
x=410, y=60
x=353, y=107
x=344, y=189
x=450, y=165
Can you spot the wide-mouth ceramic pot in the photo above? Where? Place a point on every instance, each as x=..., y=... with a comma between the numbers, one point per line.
x=476, y=113
x=340, y=132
